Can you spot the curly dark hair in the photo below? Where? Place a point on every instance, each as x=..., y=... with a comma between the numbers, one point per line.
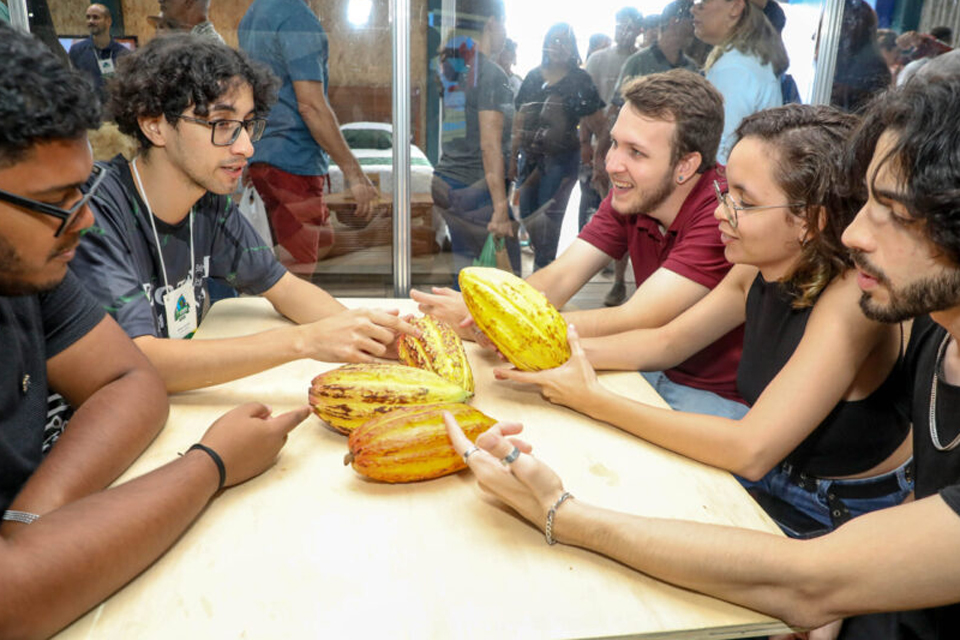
x=809, y=167
x=925, y=156
x=41, y=99
x=173, y=73
x=691, y=101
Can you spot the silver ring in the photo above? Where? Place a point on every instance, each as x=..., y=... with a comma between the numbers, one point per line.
x=469, y=452
x=510, y=457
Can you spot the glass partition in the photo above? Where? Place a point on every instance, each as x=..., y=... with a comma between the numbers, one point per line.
x=489, y=149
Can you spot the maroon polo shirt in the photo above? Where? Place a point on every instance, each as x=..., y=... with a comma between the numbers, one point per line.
x=691, y=248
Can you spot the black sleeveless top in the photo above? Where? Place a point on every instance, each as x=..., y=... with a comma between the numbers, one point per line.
x=855, y=436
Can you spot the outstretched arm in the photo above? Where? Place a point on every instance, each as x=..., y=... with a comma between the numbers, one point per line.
x=120, y=406
x=805, y=583
x=55, y=569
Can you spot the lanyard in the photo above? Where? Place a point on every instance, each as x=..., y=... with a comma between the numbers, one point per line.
x=156, y=237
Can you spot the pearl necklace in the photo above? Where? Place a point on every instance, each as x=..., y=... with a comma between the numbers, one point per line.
x=933, y=400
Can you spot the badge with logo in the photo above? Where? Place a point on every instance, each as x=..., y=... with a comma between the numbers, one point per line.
x=107, y=67
x=180, y=307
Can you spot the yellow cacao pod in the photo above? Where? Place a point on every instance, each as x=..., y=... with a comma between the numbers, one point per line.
x=411, y=443
x=350, y=395
x=438, y=349
x=517, y=318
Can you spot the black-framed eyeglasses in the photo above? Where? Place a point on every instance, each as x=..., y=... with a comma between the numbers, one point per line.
x=732, y=210
x=66, y=216
x=224, y=133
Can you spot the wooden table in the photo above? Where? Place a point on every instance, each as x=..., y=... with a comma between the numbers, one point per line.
x=312, y=550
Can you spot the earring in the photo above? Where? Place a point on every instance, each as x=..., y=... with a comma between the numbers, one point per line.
x=679, y=179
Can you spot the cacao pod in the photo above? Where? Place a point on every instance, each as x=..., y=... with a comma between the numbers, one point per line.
x=438, y=349
x=411, y=443
x=350, y=395
x=517, y=318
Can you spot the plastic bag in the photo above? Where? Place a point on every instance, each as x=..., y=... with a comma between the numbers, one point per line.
x=494, y=254
x=251, y=207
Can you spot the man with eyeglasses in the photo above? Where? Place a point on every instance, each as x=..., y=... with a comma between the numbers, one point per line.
x=905, y=242
x=662, y=166
x=65, y=542
x=166, y=224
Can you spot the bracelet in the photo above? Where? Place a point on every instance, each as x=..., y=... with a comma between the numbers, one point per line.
x=548, y=530
x=216, y=459
x=23, y=517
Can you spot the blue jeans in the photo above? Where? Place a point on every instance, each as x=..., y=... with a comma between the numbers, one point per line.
x=815, y=500
x=589, y=198
x=545, y=187
x=467, y=210
x=683, y=398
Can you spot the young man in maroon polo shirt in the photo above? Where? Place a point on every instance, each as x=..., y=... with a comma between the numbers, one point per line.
x=662, y=164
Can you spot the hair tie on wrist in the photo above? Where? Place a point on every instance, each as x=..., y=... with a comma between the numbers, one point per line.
x=217, y=460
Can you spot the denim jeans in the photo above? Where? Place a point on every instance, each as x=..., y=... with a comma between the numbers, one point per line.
x=683, y=398
x=467, y=210
x=814, y=503
x=545, y=187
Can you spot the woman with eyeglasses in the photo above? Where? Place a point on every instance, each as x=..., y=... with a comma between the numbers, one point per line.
x=545, y=148
x=825, y=438
x=746, y=62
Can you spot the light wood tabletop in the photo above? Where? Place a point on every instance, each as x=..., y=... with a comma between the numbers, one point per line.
x=312, y=550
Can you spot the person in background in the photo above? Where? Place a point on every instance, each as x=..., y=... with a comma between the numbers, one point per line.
x=554, y=99
x=604, y=69
x=904, y=559
x=650, y=31
x=920, y=48
x=892, y=56
x=66, y=541
x=662, y=166
x=826, y=436
x=185, y=15
x=166, y=224
x=861, y=71
x=598, y=42
x=290, y=166
x=746, y=61
x=507, y=59
x=469, y=184
x=97, y=55
x=773, y=12
x=666, y=52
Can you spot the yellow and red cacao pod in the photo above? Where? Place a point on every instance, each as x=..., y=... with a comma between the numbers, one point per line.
x=517, y=318
x=350, y=395
x=411, y=444
x=438, y=349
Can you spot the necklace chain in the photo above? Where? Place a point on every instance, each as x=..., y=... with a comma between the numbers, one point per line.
x=933, y=400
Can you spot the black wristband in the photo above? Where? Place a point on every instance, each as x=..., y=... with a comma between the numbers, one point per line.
x=216, y=459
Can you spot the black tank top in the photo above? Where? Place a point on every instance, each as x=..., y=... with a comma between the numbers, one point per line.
x=856, y=435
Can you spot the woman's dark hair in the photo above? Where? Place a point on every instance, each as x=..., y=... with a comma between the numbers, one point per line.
x=41, y=99
x=173, y=73
x=924, y=157
x=561, y=30
x=806, y=143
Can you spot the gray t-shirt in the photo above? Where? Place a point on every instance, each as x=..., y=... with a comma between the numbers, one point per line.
x=118, y=262
x=476, y=88
x=604, y=69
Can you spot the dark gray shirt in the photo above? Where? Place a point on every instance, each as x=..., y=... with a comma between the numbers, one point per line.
x=471, y=85
x=118, y=262
x=32, y=330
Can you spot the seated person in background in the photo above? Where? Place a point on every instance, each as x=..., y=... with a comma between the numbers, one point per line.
x=906, y=558
x=65, y=544
x=164, y=224
x=662, y=167
x=827, y=431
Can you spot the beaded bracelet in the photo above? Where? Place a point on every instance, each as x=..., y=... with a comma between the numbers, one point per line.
x=548, y=530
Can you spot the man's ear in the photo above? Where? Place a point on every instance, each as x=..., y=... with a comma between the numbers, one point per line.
x=686, y=168
x=154, y=128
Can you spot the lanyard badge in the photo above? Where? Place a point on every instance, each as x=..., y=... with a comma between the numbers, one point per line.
x=107, y=67
x=180, y=307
